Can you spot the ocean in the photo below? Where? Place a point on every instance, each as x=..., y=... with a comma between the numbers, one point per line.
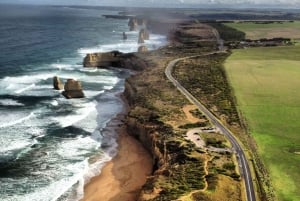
x=51, y=146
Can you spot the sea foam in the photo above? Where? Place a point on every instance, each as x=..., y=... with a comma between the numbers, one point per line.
x=79, y=115
x=127, y=46
x=14, y=122
x=10, y=102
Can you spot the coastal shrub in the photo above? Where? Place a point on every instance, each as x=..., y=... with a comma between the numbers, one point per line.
x=229, y=166
x=214, y=143
x=196, y=113
x=206, y=79
x=194, y=125
x=212, y=181
x=235, y=176
x=228, y=33
x=200, y=196
x=182, y=178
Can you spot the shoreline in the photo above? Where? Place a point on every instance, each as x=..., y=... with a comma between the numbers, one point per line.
x=121, y=178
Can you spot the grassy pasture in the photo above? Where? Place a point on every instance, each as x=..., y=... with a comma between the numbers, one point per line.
x=266, y=82
x=272, y=30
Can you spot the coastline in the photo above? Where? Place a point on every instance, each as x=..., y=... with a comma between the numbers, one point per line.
x=121, y=178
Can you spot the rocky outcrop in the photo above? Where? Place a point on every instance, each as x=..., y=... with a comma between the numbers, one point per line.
x=123, y=17
x=73, y=89
x=124, y=36
x=105, y=59
x=133, y=24
x=143, y=35
x=146, y=34
x=141, y=39
x=114, y=59
x=57, y=84
x=142, y=48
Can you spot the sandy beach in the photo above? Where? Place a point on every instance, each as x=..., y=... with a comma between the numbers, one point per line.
x=121, y=179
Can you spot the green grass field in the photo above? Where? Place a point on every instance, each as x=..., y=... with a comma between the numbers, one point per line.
x=266, y=83
x=273, y=30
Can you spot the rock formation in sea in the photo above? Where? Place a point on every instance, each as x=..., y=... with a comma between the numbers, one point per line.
x=143, y=35
x=73, y=89
x=133, y=24
x=57, y=84
x=105, y=59
x=124, y=36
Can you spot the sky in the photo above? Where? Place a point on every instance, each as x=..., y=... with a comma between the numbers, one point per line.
x=164, y=3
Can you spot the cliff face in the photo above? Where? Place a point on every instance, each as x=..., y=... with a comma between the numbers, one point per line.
x=102, y=59
x=114, y=59
x=143, y=125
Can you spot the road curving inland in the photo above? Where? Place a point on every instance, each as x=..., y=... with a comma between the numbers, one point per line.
x=243, y=164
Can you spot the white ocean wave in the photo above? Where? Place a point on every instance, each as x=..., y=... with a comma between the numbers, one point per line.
x=25, y=89
x=10, y=102
x=8, y=121
x=127, y=46
x=80, y=114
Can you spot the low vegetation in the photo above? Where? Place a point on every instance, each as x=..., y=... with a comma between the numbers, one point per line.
x=205, y=78
x=228, y=33
x=196, y=113
x=194, y=125
x=276, y=29
x=266, y=83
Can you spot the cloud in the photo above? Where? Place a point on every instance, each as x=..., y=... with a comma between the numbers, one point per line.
x=161, y=2
x=243, y=1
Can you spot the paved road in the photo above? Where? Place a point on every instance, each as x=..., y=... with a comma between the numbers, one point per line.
x=243, y=164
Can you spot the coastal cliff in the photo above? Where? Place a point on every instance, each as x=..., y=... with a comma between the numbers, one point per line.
x=114, y=59
x=102, y=59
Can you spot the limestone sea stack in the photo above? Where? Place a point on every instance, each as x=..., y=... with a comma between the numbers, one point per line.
x=146, y=34
x=124, y=36
x=57, y=84
x=143, y=35
x=133, y=24
x=73, y=89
